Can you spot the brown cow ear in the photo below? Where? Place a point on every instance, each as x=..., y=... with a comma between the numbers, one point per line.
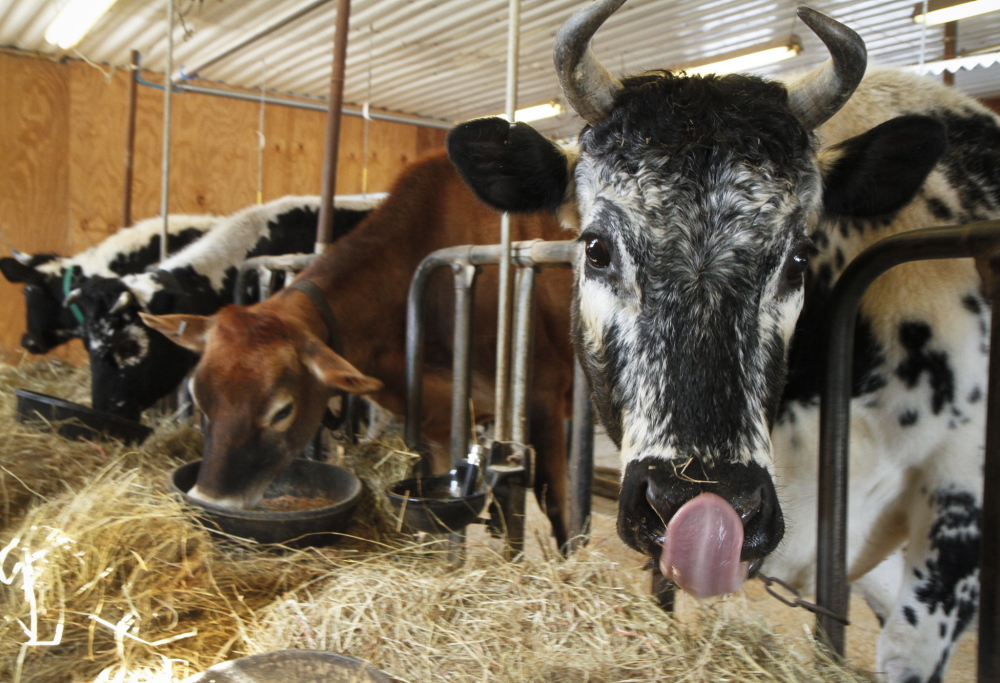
x=335, y=372
x=184, y=330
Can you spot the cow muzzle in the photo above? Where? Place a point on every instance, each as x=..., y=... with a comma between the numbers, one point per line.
x=708, y=527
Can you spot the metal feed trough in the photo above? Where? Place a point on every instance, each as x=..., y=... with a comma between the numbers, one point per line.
x=510, y=463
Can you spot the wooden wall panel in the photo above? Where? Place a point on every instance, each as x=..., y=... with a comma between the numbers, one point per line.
x=62, y=139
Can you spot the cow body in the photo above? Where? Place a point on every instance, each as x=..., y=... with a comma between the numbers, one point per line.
x=259, y=419
x=131, y=366
x=46, y=284
x=717, y=213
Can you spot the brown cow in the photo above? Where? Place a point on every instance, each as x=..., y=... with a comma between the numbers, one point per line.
x=265, y=373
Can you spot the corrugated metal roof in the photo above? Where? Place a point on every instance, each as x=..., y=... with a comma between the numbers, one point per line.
x=445, y=59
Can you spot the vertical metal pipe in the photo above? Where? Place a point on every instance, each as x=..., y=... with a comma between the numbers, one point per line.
x=324, y=229
x=950, y=44
x=461, y=378
x=502, y=426
x=133, y=91
x=989, y=552
x=581, y=461
x=167, y=100
x=524, y=336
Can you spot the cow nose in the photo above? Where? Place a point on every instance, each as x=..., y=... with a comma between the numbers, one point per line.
x=748, y=505
x=665, y=501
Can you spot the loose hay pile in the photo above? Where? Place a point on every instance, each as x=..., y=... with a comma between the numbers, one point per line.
x=107, y=578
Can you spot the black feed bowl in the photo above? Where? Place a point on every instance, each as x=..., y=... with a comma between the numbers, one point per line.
x=298, y=528
x=72, y=420
x=292, y=666
x=433, y=504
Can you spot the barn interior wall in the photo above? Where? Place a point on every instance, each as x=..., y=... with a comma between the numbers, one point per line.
x=62, y=142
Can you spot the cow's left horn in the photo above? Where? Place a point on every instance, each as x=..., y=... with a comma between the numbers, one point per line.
x=124, y=299
x=21, y=257
x=588, y=86
x=822, y=92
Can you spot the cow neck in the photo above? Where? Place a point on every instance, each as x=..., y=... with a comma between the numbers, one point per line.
x=319, y=302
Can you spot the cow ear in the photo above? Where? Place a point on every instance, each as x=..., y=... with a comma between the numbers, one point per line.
x=335, y=372
x=511, y=168
x=18, y=272
x=184, y=330
x=879, y=172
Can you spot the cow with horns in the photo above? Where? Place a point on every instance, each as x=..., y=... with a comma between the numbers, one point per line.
x=48, y=278
x=131, y=366
x=715, y=214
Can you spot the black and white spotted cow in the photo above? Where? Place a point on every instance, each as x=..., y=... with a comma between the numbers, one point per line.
x=715, y=215
x=48, y=278
x=133, y=366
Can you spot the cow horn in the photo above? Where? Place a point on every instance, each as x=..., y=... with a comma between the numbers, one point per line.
x=73, y=297
x=588, y=86
x=21, y=257
x=822, y=92
x=124, y=299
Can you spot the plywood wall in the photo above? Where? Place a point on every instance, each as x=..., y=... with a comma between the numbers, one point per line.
x=62, y=146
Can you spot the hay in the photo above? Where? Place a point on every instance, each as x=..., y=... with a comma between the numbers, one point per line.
x=104, y=577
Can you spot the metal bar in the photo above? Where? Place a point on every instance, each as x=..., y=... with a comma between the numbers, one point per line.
x=988, y=659
x=502, y=424
x=280, y=23
x=528, y=253
x=524, y=336
x=324, y=229
x=165, y=169
x=133, y=89
x=831, y=557
x=581, y=461
x=950, y=43
x=461, y=377
x=314, y=106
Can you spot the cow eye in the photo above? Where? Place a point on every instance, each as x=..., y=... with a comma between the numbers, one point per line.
x=598, y=253
x=282, y=414
x=797, y=265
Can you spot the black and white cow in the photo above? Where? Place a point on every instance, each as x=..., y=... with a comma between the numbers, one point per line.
x=133, y=366
x=715, y=215
x=48, y=278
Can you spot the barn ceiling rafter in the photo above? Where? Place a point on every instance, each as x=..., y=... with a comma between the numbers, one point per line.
x=444, y=59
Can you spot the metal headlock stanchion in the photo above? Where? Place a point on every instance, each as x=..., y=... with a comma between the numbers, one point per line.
x=509, y=464
x=977, y=240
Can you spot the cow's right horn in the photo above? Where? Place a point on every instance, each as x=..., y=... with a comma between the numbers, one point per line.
x=124, y=299
x=21, y=257
x=588, y=86
x=822, y=92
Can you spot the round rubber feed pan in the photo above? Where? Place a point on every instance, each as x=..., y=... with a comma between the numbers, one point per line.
x=73, y=420
x=292, y=666
x=434, y=505
x=303, y=481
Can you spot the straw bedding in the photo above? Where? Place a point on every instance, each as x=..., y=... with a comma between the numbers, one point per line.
x=105, y=577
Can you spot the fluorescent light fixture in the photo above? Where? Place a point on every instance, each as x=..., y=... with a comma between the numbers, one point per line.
x=943, y=11
x=540, y=111
x=74, y=20
x=748, y=58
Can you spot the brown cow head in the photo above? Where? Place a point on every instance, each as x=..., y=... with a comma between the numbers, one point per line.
x=263, y=382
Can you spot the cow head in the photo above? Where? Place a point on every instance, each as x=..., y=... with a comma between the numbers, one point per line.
x=131, y=366
x=695, y=199
x=49, y=324
x=263, y=383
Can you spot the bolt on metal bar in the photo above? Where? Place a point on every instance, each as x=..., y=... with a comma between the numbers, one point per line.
x=974, y=240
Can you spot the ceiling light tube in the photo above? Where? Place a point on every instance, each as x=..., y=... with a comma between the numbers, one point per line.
x=747, y=58
x=539, y=111
x=74, y=20
x=943, y=11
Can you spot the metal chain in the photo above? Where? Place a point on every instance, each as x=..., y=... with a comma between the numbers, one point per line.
x=798, y=600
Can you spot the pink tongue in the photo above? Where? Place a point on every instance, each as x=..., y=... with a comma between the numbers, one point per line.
x=701, y=550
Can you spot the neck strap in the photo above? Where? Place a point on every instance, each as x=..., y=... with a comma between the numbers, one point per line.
x=67, y=288
x=315, y=294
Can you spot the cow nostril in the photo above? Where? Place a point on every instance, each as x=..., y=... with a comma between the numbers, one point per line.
x=663, y=509
x=748, y=506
